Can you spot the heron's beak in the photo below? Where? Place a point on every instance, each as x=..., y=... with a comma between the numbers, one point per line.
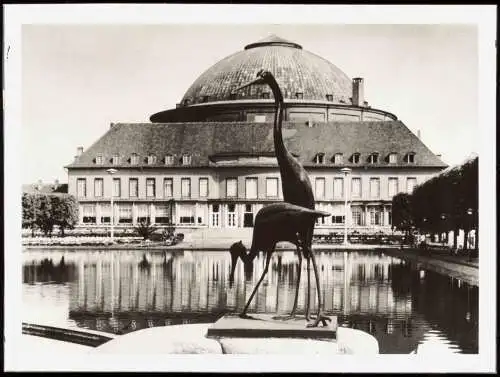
x=258, y=81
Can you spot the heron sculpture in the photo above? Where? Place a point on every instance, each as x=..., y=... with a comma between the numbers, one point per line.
x=275, y=223
x=296, y=187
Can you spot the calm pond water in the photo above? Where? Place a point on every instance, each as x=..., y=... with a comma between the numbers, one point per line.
x=123, y=291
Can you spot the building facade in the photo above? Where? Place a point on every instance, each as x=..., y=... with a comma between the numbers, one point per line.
x=210, y=161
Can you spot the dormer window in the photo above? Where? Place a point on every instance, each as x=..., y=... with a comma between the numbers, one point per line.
x=373, y=159
x=319, y=158
x=355, y=158
x=98, y=159
x=134, y=159
x=169, y=159
x=329, y=98
x=151, y=159
x=186, y=102
x=342, y=100
x=186, y=159
x=410, y=158
x=393, y=158
x=299, y=95
x=338, y=158
x=232, y=96
x=265, y=95
x=204, y=99
x=116, y=159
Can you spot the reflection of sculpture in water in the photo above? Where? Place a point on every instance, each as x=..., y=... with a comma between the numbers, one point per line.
x=297, y=190
x=238, y=250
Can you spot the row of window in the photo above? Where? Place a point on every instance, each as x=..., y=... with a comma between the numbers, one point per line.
x=251, y=187
x=375, y=216
x=373, y=158
x=150, y=159
x=168, y=187
x=263, y=95
x=374, y=187
x=187, y=214
x=133, y=187
x=338, y=158
x=123, y=214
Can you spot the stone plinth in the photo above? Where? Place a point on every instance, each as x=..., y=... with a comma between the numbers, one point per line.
x=266, y=326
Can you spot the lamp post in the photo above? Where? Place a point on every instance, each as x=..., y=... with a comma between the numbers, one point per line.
x=111, y=172
x=467, y=236
x=346, y=172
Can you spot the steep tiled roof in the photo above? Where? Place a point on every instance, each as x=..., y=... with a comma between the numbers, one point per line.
x=202, y=140
x=296, y=71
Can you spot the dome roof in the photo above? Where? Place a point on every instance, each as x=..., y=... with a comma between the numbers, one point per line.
x=295, y=70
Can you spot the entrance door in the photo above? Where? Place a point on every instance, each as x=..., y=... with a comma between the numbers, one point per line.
x=248, y=216
x=214, y=215
x=231, y=216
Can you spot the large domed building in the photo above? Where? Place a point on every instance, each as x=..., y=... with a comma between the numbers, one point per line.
x=209, y=162
x=313, y=88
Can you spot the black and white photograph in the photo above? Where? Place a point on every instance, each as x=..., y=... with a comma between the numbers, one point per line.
x=249, y=188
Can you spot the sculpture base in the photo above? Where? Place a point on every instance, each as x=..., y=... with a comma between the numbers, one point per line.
x=267, y=326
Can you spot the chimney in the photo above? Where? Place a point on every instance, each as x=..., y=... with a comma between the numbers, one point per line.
x=418, y=134
x=358, y=92
x=39, y=185
x=56, y=183
x=79, y=151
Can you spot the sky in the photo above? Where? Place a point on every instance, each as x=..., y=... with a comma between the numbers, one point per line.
x=77, y=79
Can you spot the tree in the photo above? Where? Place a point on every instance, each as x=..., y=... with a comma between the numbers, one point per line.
x=402, y=216
x=30, y=203
x=44, y=219
x=64, y=211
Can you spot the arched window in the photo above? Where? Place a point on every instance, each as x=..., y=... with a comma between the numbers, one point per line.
x=356, y=158
x=373, y=159
x=151, y=159
x=319, y=158
x=410, y=158
x=169, y=159
x=186, y=159
x=338, y=158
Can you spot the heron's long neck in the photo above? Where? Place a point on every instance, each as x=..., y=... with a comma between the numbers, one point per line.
x=282, y=154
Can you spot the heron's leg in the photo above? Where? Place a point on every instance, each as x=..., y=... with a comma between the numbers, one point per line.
x=294, y=309
x=308, y=294
x=268, y=259
x=320, y=317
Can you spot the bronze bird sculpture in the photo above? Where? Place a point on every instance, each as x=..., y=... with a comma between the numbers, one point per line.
x=296, y=186
x=274, y=223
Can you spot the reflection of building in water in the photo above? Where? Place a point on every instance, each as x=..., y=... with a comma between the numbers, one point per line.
x=118, y=292
x=117, y=282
